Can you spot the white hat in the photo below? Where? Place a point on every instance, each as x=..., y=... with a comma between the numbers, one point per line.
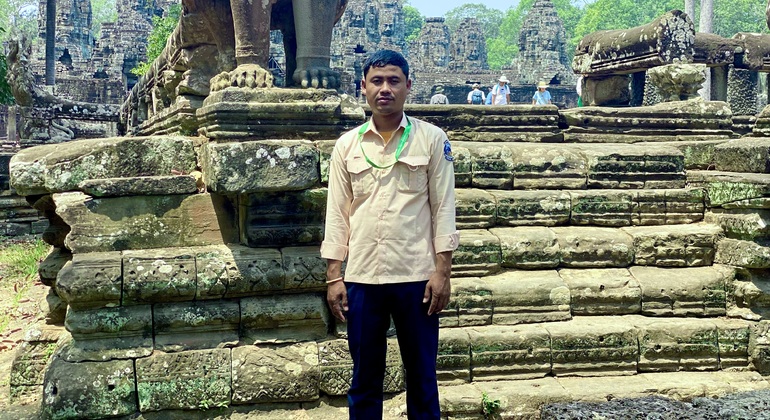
x=503, y=79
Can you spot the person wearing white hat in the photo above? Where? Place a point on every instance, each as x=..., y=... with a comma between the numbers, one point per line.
x=541, y=96
x=501, y=93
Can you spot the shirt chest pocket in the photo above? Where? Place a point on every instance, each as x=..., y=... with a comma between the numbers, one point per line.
x=412, y=173
x=361, y=177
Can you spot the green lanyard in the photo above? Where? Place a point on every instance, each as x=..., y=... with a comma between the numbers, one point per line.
x=401, y=143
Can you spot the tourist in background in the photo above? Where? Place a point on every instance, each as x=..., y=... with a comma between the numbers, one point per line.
x=579, y=90
x=439, y=98
x=476, y=96
x=542, y=96
x=501, y=93
x=489, y=96
x=391, y=212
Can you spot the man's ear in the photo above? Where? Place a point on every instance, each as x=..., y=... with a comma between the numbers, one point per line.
x=363, y=87
x=409, y=84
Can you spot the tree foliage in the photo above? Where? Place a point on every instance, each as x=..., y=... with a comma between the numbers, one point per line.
x=102, y=11
x=162, y=27
x=413, y=21
x=488, y=18
x=6, y=97
x=18, y=17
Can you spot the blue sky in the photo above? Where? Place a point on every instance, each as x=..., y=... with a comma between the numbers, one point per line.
x=433, y=8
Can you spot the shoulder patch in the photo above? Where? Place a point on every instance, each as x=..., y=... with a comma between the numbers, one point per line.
x=448, y=151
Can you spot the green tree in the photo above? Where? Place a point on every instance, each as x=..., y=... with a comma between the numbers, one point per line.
x=731, y=17
x=102, y=11
x=489, y=18
x=503, y=48
x=6, y=97
x=162, y=27
x=18, y=17
x=413, y=21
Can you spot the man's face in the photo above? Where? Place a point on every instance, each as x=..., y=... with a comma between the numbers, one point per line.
x=386, y=89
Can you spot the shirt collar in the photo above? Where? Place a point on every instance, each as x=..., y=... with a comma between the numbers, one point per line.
x=373, y=129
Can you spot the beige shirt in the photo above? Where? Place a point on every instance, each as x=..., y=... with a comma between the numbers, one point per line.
x=392, y=222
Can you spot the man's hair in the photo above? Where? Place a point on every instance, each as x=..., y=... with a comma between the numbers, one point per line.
x=383, y=58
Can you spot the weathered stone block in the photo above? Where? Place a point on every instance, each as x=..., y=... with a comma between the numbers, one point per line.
x=195, y=325
x=509, y=352
x=463, y=165
x=749, y=295
x=606, y=91
x=698, y=154
x=584, y=247
x=305, y=269
x=91, y=280
x=49, y=268
x=262, y=374
x=260, y=166
x=741, y=223
x=524, y=208
x=89, y=389
x=162, y=275
x=120, y=223
x=685, y=206
x=747, y=154
x=528, y=297
x=724, y=188
x=325, y=148
x=602, y=291
x=190, y=380
x=477, y=255
x=492, y=165
x=475, y=209
x=472, y=300
x=650, y=207
x=632, y=166
x=143, y=185
x=676, y=245
x=235, y=271
x=546, y=166
x=601, y=208
x=61, y=167
x=283, y=219
x=759, y=347
x=336, y=367
x=593, y=346
x=746, y=254
x=108, y=333
x=29, y=365
x=528, y=247
x=287, y=318
x=733, y=342
x=453, y=365
x=694, y=291
x=671, y=345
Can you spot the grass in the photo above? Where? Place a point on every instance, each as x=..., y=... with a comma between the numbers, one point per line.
x=18, y=272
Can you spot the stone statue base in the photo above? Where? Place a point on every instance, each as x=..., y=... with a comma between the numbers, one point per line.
x=176, y=119
x=236, y=114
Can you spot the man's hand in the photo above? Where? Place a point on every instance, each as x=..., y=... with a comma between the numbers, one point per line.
x=437, y=291
x=337, y=298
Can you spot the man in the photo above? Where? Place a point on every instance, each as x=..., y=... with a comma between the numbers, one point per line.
x=501, y=93
x=439, y=98
x=541, y=96
x=391, y=211
x=476, y=96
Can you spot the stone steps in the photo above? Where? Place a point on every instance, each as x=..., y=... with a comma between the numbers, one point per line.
x=592, y=346
x=478, y=208
x=487, y=251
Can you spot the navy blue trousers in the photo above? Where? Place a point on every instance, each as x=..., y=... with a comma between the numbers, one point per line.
x=368, y=319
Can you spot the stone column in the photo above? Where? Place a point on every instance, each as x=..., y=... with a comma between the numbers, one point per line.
x=637, y=88
x=718, y=83
x=12, y=123
x=742, y=91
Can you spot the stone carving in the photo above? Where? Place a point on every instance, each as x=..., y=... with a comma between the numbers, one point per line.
x=542, y=48
x=41, y=110
x=665, y=40
x=677, y=82
x=468, y=48
x=431, y=50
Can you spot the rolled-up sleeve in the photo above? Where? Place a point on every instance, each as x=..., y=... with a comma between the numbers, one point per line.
x=338, y=201
x=441, y=185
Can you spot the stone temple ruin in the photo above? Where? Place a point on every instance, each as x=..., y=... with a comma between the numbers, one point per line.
x=625, y=248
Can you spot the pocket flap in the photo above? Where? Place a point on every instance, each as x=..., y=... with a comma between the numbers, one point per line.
x=415, y=160
x=356, y=166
